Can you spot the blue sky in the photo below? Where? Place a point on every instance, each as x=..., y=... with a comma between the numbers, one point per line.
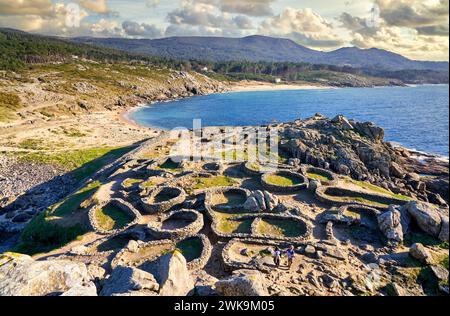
x=417, y=29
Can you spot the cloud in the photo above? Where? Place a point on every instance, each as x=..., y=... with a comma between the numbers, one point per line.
x=26, y=7
x=427, y=17
x=141, y=29
x=255, y=8
x=302, y=25
x=97, y=6
x=152, y=3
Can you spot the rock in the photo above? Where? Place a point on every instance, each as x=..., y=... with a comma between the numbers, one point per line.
x=87, y=290
x=173, y=275
x=96, y=272
x=21, y=218
x=426, y=216
x=271, y=201
x=343, y=121
x=133, y=246
x=79, y=251
x=419, y=252
x=295, y=162
x=259, y=196
x=440, y=273
x=243, y=283
x=310, y=250
x=125, y=280
x=443, y=235
x=314, y=185
x=435, y=198
x=396, y=290
x=394, y=224
x=397, y=171
x=251, y=205
x=23, y=276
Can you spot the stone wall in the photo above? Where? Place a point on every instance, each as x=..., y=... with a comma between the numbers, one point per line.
x=159, y=207
x=284, y=189
x=155, y=230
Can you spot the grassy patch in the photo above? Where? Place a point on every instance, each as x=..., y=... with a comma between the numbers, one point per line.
x=191, y=248
x=83, y=162
x=228, y=199
x=9, y=104
x=76, y=201
x=148, y=184
x=417, y=237
x=317, y=176
x=283, y=181
x=280, y=228
x=128, y=183
x=219, y=181
x=111, y=217
x=377, y=189
x=41, y=236
x=227, y=224
x=32, y=144
x=170, y=165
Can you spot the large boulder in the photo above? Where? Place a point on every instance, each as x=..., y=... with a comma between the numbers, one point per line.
x=20, y=275
x=128, y=280
x=243, y=283
x=419, y=252
x=443, y=235
x=173, y=275
x=394, y=224
x=427, y=216
x=86, y=290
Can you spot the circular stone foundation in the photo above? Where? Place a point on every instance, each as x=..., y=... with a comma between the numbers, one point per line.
x=284, y=181
x=177, y=225
x=163, y=199
x=280, y=227
x=325, y=177
x=340, y=196
x=227, y=198
x=113, y=217
x=197, y=251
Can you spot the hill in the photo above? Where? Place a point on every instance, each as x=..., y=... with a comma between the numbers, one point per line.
x=262, y=48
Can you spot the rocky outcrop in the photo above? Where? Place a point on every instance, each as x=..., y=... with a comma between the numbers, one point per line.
x=243, y=283
x=20, y=275
x=129, y=280
x=419, y=252
x=261, y=201
x=429, y=218
x=173, y=275
x=394, y=224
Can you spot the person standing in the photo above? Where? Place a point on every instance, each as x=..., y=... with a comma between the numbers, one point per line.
x=277, y=257
x=290, y=255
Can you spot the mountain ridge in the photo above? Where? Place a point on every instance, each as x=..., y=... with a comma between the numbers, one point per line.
x=256, y=48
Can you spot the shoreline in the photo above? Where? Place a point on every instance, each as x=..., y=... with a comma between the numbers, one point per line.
x=255, y=86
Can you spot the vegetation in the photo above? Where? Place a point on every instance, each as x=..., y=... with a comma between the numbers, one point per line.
x=128, y=183
x=111, y=217
x=228, y=224
x=283, y=181
x=280, y=228
x=9, y=104
x=317, y=176
x=77, y=201
x=219, y=181
x=377, y=189
x=190, y=248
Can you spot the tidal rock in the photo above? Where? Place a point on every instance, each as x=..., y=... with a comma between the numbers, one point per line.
x=23, y=276
x=173, y=276
x=419, y=252
x=243, y=283
x=127, y=280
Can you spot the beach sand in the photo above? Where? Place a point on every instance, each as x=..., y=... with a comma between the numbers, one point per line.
x=249, y=86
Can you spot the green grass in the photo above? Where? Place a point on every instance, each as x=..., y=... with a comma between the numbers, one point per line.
x=128, y=183
x=219, y=181
x=148, y=184
x=191, y=248
x=170, y=165
x=75, y=202
x=280, y=228
x=42, y=236
x=317, y=176
x=283, y=181
x=228, y=225
x=228, y=199
x=377, y=189
x=9, y=104
x=111, y=217
x=83, y=162
x=417, y=237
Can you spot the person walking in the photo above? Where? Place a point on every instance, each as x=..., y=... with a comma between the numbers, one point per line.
x=277, y=257
x=290, y=255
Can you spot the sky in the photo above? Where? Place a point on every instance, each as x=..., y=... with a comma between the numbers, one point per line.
x=417, y=29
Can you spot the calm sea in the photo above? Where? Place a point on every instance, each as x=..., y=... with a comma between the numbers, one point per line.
x=416, y=117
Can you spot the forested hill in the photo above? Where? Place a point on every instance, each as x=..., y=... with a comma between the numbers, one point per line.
x=262, y=48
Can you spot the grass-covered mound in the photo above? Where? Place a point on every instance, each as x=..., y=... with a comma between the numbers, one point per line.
x=111, y=217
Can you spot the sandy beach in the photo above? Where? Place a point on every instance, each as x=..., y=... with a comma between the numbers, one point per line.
x=250, y=86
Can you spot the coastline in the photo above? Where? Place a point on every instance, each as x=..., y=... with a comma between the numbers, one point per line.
x=254, y=86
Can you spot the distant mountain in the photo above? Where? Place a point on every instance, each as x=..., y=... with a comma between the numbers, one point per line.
x=262, y=48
